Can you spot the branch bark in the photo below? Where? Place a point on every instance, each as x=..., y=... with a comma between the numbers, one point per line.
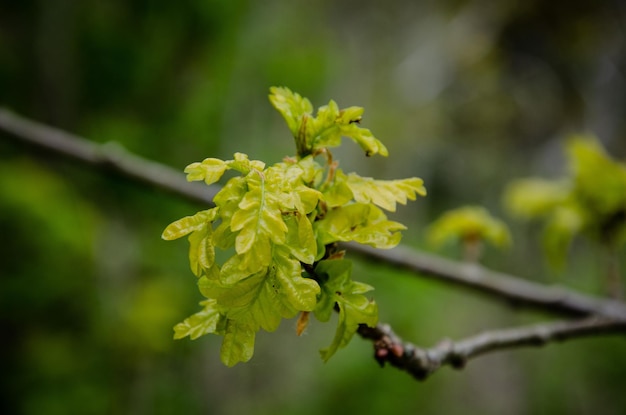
x=514, y=290
x=603, y=315
x=109, y=157
x=421, y=363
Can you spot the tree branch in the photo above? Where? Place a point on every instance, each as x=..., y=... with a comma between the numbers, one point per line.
x=605, y=316
x=421, y=363
x=108, y=157
x=514, y=290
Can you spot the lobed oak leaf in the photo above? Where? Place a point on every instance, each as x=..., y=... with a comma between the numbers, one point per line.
x=363, y=223
x=210, y=170
x=291, y=105
x=189, y=224
x=238, y=343
x=201, y=250
x=200, y=323
x=258, y=220
x=242, y=164
x=300, y=240
x=385, y=193
x=354, y=309
x=299, y=292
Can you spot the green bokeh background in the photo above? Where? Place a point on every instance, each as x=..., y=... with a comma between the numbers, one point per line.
x=465, y=94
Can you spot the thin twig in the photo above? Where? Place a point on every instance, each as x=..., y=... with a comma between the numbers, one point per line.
x=421, y=363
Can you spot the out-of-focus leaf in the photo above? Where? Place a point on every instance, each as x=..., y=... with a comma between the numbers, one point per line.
x=532, y=198
x=564, y=223
x=599, y=181
x=469, y=223
x=592, y=200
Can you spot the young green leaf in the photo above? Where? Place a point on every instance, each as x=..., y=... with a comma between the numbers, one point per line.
x=252, y=300
x=469, y=223
x=299, y=292
x=258, y=220
x=330, y=124
x=591, y=200
x=238, y=343
x=300, y=240
x=334, y=276
x=292, y=107
x=262, y=299
x=242, y=164
x=201, y=250
x=363, y=223
x=210, y=170
x=354, y=309
x=338, y=290
x=533, y=197
x=385, y=193
x=189, y=224
x=201, y=323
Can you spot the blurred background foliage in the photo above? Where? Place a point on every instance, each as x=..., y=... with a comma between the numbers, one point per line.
x=466, y=94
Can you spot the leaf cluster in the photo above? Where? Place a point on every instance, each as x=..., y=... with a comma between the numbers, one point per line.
x=590, y=200
x=469, y=224
x=279, y=226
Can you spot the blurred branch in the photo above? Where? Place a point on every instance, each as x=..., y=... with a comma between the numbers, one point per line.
x=514, y=290
x=110, y=157
x=607, y=316
x=421, y=363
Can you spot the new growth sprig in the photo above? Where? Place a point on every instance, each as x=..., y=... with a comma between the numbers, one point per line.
x=279, y=226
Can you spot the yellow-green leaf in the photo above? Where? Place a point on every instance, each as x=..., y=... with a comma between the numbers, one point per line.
x=242, y=164
x=363, y=223
x=189, y=224
x=210, y=170
x=201, y=250
x=354, y=309
x=385, y=193
x=534, y=197
x=257, y=220
x=469, y=223
x=201, y=323
x=300, y=293
x=300, y=240
x=291, y=105
x=238, y=343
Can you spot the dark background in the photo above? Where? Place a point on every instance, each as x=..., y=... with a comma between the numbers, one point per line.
x=466, y=94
